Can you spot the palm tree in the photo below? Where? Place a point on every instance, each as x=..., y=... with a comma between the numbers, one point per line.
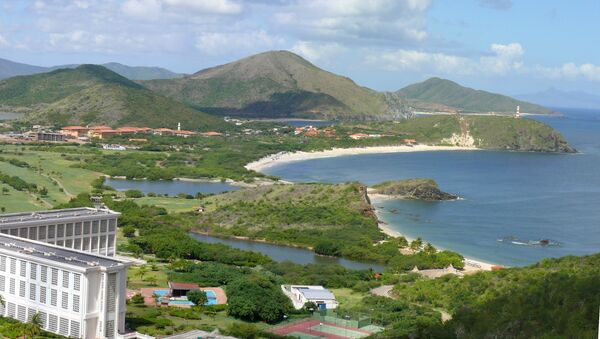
x=34, y=327
x=2, y=303
x=142, y=271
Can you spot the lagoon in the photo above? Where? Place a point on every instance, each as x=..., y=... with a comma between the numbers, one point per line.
x=171, y=188
x=287, y=253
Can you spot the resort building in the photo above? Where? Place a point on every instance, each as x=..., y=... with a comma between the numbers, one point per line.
x=75, y=294
x=75, y=131
x=86, y=229
x=49, y=136
x=301, y=294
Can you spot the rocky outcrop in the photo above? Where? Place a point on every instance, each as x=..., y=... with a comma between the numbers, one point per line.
x=417, y=189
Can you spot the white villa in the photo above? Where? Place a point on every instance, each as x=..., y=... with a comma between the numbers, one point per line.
x=301, y=294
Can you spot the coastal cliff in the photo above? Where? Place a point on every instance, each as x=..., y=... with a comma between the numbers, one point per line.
x=415, y=189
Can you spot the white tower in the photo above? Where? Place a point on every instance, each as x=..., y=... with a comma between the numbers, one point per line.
x=518, y=112
x=179, y=126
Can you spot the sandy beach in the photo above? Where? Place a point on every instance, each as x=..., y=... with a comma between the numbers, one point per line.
x=471, y=265
x=284, y=157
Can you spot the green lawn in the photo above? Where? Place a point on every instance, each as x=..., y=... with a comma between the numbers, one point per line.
x=171, y=204
x=135, y=281
x=347, y=298
x=47, y=169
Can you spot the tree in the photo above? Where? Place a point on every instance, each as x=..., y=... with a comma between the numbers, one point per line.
x=198, y=297
x=416, y=244
x=4, y=190
x=128, y=231
x=243, y=331
x=142, y=271
x=43, y=191
x=33, y=328
x=257, y=298
x=134, y=194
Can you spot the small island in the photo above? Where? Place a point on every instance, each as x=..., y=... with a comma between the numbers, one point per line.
x=416, y=189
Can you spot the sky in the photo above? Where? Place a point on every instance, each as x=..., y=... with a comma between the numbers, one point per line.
x=506, y=46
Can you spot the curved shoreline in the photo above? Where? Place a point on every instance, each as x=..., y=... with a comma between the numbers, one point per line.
x=285, y=157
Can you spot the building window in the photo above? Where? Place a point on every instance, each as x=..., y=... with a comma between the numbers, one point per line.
x=3, y=263
x=53, y=323
x=76, y=282
x=53, y=297
x=23, y=265
x=13, y=266
x=103, y=242
x=33, y=233
x=78, y=228
x=86, y=227
x=103, y=226
x=110, y=328
x=112, y=223
x=51, y=231
x=95, y=227
x=75, y=329
x=32, y=287
x=21, y=313
x=33, y=271
x=94, y=243
x=23, y=232
x=86, y=244
x=12, y=286
x=54, y=276
x=22, y=289
x=64, y=327
x=2, y=283
x=60, y=231
x=69, y=243
x=77, y=244
x=111, y=293
x=69, y=230
x=65, y=280
x=44, y=273
x=65, y=300
x=42, y=294
x=12, y=310
x=42, y=233
x=75, y=303
x=43, y=319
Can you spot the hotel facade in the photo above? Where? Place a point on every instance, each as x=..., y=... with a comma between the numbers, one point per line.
x=86, y=229
x=59, y=265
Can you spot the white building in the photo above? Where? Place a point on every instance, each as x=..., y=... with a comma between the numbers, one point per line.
x=76, y=294
x=87, y=229
x=301, y=294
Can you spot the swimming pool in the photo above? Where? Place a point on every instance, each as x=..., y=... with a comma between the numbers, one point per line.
x=160, y=293
x=180, y=302
x=211, y=296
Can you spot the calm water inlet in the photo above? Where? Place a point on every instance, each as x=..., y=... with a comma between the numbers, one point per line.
x=286, y=253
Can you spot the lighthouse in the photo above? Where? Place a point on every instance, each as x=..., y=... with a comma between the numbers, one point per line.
x=518, y=113
x=179, y=124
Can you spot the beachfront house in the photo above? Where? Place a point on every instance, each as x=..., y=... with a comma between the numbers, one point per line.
x=301, y=294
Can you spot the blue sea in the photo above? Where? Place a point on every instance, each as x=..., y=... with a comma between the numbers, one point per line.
x=510, y=200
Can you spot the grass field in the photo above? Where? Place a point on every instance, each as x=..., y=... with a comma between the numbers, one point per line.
x=171, y=204
x=137, y=281
x=52, y=170
x=347, y=298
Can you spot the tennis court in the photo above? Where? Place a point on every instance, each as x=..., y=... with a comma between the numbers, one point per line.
x=314, y=328
x=340, y=331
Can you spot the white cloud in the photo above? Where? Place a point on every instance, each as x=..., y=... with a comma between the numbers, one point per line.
x=505, y=58
x=317, y=51
x=383, y=21
x=206, y=6
x=569, y=71
x=3, y=41
x=217, y=43
x=142, y=8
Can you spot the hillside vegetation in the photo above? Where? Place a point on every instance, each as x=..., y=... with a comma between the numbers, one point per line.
x=278, y=85
x=91, y=94
x=418, y=188
x=437, y=94
x=556, y=298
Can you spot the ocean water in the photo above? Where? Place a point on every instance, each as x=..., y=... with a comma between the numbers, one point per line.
x=519, y=198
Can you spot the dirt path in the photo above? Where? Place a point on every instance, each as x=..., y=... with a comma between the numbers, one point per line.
x=383, y=291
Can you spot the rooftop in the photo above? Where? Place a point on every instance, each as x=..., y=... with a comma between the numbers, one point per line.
x=55, y=253
x=182, y=286
x=315, y=292
x=53, y=214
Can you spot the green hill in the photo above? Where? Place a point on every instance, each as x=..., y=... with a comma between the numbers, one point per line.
x=278, y=85
x=91, y=94
x=437, y=94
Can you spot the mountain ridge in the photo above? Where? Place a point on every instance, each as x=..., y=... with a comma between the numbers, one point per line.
x=450, y=96
x=94, y=94
x=278, y=84
x=9, y=68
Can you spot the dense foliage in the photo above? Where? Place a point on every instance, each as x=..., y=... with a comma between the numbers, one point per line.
x=257, y=298
x=556, y=298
